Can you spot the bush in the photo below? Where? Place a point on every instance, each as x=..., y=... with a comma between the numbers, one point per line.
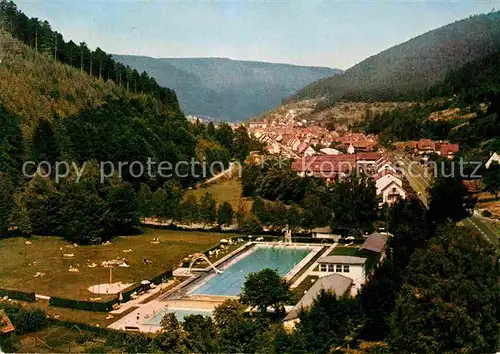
x=96, y=348
x=486, y=213
x=83, y=338
x=126, y=294
x=159, y=278
x=26, y=319
x=18, y=295
x=83, y=305
x=115, y=339
x=135, y=343
x=8, y=344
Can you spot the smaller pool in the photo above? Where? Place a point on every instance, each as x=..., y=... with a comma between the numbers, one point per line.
x=179, y=313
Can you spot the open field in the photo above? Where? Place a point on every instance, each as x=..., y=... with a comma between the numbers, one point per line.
x=20, y=262
x=229, y=191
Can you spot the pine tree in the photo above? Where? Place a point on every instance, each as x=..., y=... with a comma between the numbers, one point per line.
x=43, y=144
x=225, y=214
x=145, y=201
x=19, y=216
x=6, y=202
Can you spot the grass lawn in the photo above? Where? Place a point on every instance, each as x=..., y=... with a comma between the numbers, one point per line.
x=371, y=257
x=345, y=251
x=229, y=191
x=304, y=285
x=488, y=201
x=19, y=262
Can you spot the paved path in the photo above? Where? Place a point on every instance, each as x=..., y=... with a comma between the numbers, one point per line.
x=220, y=175
x=421, y=185
x=136, y=302
x=417, y=181
x=311, y=268
x=484, y=228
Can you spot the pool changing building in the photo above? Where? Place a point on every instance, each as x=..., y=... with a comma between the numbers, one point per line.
x=348, y=266
x=336, y=283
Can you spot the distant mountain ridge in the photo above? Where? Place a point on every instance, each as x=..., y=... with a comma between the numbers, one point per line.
x=404, y=71
x=227, y=89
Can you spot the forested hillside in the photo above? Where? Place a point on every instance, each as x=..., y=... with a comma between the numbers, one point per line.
x=227, y=89
x=69, y=119
x=35, y=83
x=472, y=83
x=470, y=96
x=404, y=71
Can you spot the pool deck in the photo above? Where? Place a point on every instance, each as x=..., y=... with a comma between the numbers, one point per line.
x=312, y=266
x=178, y=297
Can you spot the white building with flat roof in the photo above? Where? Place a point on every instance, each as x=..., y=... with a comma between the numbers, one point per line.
x=348, y=266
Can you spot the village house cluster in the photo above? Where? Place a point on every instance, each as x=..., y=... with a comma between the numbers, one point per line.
x=294, y=139
x=389, y=180
x=425, y=147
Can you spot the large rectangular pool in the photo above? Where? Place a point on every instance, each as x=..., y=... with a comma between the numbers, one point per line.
x=179, y=313
x=230, y=282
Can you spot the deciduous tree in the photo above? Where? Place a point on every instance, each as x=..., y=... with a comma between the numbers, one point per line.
x=265, y=289
x=208, y=212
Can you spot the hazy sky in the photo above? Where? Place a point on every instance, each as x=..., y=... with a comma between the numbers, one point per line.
x=329, y=33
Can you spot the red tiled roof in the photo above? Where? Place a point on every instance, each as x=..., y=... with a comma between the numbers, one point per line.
x=363, y=143
x=446, y=149
x=303, y=147
x=5, y=325
x=325, y=163
x=386, y=172
x=369, y=156
x=425, y=144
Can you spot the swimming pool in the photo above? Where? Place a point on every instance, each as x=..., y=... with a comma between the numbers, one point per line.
x=230, y=282
x=179, y=313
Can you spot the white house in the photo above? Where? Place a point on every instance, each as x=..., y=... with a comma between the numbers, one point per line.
x=493, y=158
x=336, y=283
x=309, y=151
x=385, y=165
x=383, y=179
x=294, y=144
x=391, y=192
x=348, y=266
x=350, y=149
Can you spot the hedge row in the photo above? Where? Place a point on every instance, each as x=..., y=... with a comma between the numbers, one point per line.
x=159, y=278
x=18, y=295
x=187, y=229
x=126, y=295
x=83, y=305
x=108, y=305
x=300, y=239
